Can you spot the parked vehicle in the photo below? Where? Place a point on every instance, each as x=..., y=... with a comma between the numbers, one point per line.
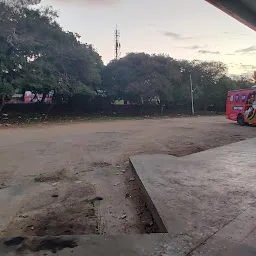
x=241, y=106
x=30, y=97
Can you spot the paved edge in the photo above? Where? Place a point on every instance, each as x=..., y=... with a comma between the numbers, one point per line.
x=228, y=241
x=94, y=245
x=156, y=216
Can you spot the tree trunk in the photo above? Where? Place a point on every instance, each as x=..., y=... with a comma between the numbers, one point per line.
x=205, y=107
x=3, y=102
x=49, y=111
x=161, y=107
x=35, y=97
x=205, y=99
x=54, y=101
x=43, y=98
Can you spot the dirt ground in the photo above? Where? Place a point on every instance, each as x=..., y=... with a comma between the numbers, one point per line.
x=76, y=178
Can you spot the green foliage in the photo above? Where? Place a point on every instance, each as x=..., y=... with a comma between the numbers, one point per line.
x=142, y=78
x=6, y=89
x=37, y=54
x=219, y=96
x=207, y=76
x=30, y=60
x=159, y=79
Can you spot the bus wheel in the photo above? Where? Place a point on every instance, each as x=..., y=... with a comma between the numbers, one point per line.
x=240, y=120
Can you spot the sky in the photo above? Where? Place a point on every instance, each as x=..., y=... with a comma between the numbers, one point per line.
x=184, y=29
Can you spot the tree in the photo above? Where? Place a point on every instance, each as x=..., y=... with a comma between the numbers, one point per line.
x=10, y=67
x=206, y=75
x=182, y=90
x=18, y=5
x=31, y=61
x=219, y=97
x=142, y=78
x=60, y=62
x=6, y=90
x=13, y=50
x=243, y=82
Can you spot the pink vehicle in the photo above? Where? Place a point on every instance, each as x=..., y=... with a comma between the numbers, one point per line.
x=30, y=97
x=241, y=106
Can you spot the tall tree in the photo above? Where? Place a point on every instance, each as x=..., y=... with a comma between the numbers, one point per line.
x=207, y=75
x=32, y=61
x=142, y=78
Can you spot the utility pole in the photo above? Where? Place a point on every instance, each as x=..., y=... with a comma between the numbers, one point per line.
x=192, y=95
x=117, y=44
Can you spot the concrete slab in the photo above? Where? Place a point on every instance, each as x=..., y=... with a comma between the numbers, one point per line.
x=251, y=238
x=128, y=245
x=239, y=228
x=206, y=202
x=216, y=246
x=198, y=195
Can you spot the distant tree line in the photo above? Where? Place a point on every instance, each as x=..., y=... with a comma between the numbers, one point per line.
x=36, y=54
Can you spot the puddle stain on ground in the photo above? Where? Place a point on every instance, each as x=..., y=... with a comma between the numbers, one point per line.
x=54, y=177
x=14, y=241
x=100, y=164
x=77, y=214
x=52, y=244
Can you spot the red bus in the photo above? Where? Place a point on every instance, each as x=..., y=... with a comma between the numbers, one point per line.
x=241, y=106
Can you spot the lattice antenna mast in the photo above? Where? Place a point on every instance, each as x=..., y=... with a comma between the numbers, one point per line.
x=117, y=44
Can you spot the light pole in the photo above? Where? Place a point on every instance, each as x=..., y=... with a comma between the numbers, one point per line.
x=192, y=95
x=191, y=91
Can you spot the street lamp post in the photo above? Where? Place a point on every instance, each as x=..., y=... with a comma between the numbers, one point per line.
x=191, y=91
x=192, y=95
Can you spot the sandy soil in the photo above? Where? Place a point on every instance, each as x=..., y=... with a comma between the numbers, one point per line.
x=76, y=178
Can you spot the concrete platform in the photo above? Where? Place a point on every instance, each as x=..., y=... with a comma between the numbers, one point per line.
x=129, y=245
x=205, y=202
x=203, y=195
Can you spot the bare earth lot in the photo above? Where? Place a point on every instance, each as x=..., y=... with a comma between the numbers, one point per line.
x=76, y=179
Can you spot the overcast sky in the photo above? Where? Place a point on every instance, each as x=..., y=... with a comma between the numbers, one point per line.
x=184, y=29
